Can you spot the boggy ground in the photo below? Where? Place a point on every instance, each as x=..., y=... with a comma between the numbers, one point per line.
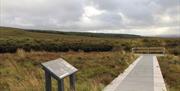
x=21, y=71
x=170, y=67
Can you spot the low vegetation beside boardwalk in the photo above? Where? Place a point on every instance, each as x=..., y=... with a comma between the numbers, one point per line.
x=21, y=71
x=170, y=67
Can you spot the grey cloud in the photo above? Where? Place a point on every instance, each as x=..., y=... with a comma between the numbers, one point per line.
x=139, y=11
x=168, y=3
x=109, y=19
x=119, y=16
x=41, y=13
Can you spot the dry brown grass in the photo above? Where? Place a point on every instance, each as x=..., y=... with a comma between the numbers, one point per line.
x=22, y=71
x=170, y=66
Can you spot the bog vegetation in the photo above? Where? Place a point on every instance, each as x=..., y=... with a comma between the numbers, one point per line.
x=170, y=66
x=99, y=57
x=22, y=71
x=12, y=39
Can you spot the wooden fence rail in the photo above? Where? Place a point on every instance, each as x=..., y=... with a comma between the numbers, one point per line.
x=149, y=50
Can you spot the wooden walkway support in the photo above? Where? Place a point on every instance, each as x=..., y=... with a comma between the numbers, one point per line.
x=143, y=74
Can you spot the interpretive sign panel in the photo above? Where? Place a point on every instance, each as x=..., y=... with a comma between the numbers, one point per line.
x=59, y=69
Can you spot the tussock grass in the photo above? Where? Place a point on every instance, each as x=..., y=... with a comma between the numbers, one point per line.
x=170, y=66
x=21, y=71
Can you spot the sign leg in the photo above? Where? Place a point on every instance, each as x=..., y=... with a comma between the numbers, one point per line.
x=61, y=85
x=47, y=81
x=72, y=82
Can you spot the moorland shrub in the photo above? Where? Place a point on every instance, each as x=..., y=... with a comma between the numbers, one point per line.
x=50, y=46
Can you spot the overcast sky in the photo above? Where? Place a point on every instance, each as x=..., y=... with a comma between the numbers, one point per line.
x=142, y=17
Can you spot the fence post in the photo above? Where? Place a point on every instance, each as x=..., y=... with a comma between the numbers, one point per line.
x=132, y=50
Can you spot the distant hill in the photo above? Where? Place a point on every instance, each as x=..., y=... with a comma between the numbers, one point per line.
x=170, y=36
x=12, y=39
x=89, y=34
x=17, y=31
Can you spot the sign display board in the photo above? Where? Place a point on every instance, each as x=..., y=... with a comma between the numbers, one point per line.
x=59, y=67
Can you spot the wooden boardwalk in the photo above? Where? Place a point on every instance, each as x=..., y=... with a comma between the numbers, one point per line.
x=142, y=75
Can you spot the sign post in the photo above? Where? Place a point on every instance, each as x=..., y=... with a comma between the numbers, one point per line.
x=72, y=82
x=47, y=81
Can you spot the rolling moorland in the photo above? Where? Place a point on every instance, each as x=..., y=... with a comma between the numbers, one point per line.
x=99, y=57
